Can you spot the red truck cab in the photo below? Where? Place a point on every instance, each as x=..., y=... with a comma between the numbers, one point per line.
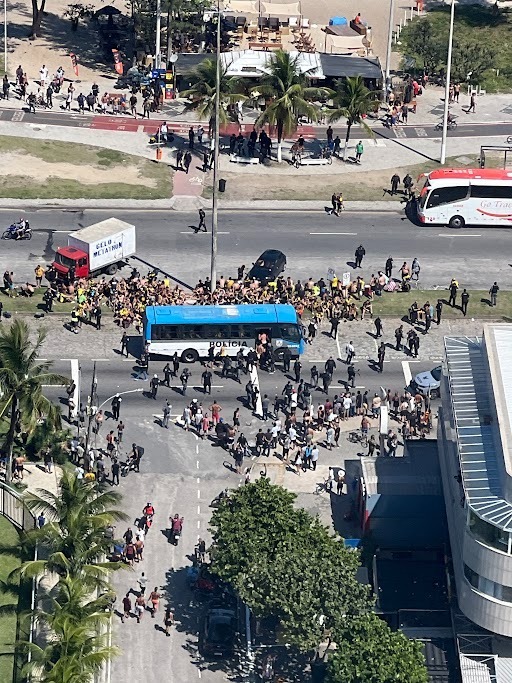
x=68, y=257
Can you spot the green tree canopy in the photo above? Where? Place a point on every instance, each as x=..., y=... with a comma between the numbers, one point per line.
x=283, y=562
x=353, y=101
x=286, y=88
x=22, y=377
x=368, y=651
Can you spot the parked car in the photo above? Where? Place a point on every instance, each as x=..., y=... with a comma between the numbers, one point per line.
x=430, y=380
x=268, y=266
x=218, y=634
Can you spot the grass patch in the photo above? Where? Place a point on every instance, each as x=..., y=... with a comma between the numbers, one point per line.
x=34, y=304
x=54, y=187
x=8, y=622
x=397, y=304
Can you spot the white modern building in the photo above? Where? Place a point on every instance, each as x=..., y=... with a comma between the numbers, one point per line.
x=475, y=450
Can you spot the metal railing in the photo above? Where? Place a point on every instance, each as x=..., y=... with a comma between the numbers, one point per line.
x=13, y=508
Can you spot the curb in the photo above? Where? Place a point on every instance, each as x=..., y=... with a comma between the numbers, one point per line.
x=191, y=204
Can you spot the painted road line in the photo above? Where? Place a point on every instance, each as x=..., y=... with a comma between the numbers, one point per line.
x=256, y=382
x=407, y=372
x=333, y=233
x=188, y=232
x=460, y=234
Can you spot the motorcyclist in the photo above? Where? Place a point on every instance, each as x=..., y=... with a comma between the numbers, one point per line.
x=148, y=510
x=177, y=524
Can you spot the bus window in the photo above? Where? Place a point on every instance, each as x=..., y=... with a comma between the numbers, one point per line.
x=191, y=331
x=246, y=332
x=165, y=332
x=217, y=331
x=491, y=192
x=447, y=195
x=289, y=332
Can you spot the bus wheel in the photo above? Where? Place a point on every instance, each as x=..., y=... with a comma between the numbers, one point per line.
x=190, y=356
x=456, y=222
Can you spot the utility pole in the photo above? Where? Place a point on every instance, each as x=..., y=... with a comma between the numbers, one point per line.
x=442, y=157
x=5, y=36
x=216, y=136
x=158, y=55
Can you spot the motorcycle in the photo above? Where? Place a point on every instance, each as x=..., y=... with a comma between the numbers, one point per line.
x=13, y=230
x=176, y=528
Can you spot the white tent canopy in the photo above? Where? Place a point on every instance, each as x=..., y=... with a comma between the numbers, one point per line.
x=242, y=6
x=279, y=9
x=344, y=44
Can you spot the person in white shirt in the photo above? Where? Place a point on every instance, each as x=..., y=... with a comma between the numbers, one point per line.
x=79, y=472
x=43, y=76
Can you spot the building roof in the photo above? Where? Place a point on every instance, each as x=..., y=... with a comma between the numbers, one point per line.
x=341, y=66
x=254, y=63
x=481, y=459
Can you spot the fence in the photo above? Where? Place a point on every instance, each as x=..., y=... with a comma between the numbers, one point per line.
x=408, y=15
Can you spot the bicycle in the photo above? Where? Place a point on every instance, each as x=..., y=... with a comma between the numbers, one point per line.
x=358, y=437
x=450, y=125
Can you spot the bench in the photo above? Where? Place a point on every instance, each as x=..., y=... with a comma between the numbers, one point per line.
x=311, y=161
x=243, y=160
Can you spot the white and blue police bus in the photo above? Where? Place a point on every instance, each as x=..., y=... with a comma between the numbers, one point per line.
x=190, y=331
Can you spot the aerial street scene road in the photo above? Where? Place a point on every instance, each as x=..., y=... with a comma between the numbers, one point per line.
x=256, y=342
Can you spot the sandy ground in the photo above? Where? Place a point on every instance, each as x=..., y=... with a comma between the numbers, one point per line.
x=32, y=168
x=56, y=42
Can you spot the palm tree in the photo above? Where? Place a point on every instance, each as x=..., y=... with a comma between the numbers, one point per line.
x=22, y=378
x=353, y=101
x=286, y=87
x=202, y=92
x=74, y=533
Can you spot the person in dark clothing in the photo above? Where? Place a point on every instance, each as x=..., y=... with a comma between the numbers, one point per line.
x=359, y=255
x=187, y=160
x=493, y=291
x=154, y=384
x=351, y=372
x=232, y=143
x=389, y=267
x=207, y=381
x=381, y=354
x=335, y=321
x=287, y=358
x=297, y=367
x=191, y=137
x=454, y=286
x=116, y=407
x=395, y=182
x=124, y=344
x=399, y=335
x=464, y=300
x=378, y=327
x=179, y=159
x=439, y=311
x=330, y=367
x=202, y=221
x=428, y=322
x=167, y=375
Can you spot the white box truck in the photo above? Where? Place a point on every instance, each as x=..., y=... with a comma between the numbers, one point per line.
x=100, y=248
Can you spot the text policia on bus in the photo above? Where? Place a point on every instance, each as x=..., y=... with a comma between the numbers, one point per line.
x=466, y=196
x=195, y=332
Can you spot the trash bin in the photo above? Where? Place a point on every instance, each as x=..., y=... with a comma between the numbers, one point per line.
x=222, y=185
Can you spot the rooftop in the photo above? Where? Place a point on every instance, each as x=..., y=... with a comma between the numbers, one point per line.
x=476, y=395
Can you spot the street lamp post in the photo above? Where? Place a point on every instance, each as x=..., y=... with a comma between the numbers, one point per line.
x=442, y=158
x=5, y=36
x=390, y=40
x=216, y=136
x=158, y=55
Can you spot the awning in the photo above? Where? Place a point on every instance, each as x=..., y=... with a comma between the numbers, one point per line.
x=344, y=44
x=278, y=9
x=243, y=6
x=339, y=66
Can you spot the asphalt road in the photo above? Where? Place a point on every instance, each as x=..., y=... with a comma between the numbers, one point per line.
x=312, y=240
x=182, y=474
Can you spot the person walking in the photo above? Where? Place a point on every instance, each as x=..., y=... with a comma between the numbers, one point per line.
x=378, y=327
x=116, y=406
x=399, y=335
x=359, y=255
x=350, y=351
x=187, y=160
x=125, y=339
x=115, y=469
x=439, y=310
x=179, y=160
x=154, y=599
x=359, y=151
x=202, y=221
x=297, y=367
x=191, y=138
x=381, y=354
x=493, y=291
x=127, y=608
x=334, y=202
x=395, y=182
x=168, y=620
x=166, y=414
x=454, y=286
x=140, y=607
x=472, y=104
x=207, y=381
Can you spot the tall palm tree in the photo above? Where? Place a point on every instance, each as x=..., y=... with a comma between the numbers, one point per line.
x=73, y=536
x=353, y=101
x=202, y=92
x=286, y=87
x=22, y=378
